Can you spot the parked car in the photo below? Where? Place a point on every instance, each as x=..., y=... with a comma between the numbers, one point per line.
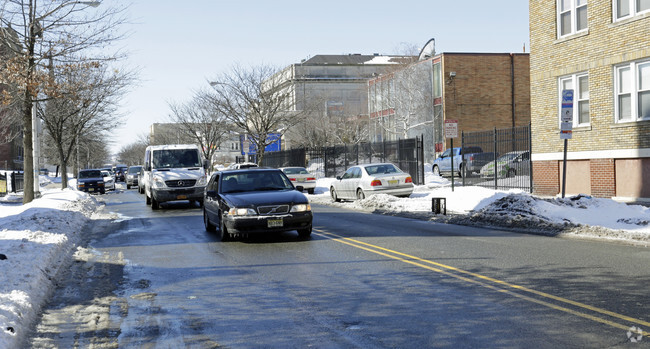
x=508, y=165
x=255, y=201
x=132, y=176
x=109, y=180
x=363, y=180
x=90, y=181
x=238, y=165
x=120, y=172
x=300, y=176
x=467, y=161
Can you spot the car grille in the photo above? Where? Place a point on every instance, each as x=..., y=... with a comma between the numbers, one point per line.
x=275, y=209
x=181, y=183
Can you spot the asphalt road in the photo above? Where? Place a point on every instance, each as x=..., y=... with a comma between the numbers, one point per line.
x=156, y=279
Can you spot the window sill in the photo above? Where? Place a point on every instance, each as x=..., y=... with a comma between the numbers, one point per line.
x=633, y=123
x=571, y=37
x=630, y=19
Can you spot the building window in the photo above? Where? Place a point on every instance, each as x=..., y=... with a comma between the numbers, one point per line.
x=628, y=8
x=633, y=91
x=572, y=16
x=579, y=83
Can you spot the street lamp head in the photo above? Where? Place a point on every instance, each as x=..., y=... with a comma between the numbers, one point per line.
x=90, y=3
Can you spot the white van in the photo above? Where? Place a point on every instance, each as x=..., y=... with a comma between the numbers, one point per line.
x=173, y=172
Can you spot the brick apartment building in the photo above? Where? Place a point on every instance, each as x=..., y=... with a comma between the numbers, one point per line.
x=601, y=50
x=482, y=91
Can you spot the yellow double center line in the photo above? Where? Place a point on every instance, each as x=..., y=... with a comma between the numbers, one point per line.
x=495, y=284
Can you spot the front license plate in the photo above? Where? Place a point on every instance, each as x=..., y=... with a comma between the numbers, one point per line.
x=274, y=223
x=91, y=189
x=181, y=197
x=393, y=182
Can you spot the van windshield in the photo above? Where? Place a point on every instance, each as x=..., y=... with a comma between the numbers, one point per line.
x=173, y=158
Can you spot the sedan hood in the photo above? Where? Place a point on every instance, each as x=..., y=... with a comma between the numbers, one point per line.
x=261, y=198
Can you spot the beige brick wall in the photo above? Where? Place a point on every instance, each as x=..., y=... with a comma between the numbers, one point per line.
x=605, y=45
x=480, y=96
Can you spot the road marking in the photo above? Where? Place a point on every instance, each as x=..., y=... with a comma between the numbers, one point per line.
x=447, y=270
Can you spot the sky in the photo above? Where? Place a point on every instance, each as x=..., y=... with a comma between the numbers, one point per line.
x=178, y=46
x=36, y=237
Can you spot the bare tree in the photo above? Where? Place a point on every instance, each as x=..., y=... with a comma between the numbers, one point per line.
x=201, y=120
x=48, y=30
x=256, y=101
x=82, y=105
x=133, y=153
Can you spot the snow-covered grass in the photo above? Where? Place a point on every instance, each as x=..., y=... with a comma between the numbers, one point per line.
x=39, y=237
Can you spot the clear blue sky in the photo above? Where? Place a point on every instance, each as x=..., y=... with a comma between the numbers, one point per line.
x=180, y=45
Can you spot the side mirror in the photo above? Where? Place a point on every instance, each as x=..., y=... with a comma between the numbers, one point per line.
x=211, y=193
x=300, y=188
x=338, y=177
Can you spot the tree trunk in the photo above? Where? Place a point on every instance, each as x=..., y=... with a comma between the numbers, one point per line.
x=28, y=151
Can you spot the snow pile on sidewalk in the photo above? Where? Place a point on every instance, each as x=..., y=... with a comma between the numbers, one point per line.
x=35, y=240
x=577, y=216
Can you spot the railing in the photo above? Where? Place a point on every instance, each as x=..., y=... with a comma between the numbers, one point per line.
x=407, y=154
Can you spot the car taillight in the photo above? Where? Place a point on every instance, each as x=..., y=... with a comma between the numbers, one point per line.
x=375, y=183
x=311, y=178
x=408, y=180
x=292, y=179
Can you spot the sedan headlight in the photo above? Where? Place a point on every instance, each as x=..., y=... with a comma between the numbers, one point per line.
x=301, y=208
x=241, y=212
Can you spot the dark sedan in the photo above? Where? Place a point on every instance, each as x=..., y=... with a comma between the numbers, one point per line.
x=254, y=201
x=91, y=181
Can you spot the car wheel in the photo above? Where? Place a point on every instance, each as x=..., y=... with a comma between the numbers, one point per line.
x=147, y=199
x=360, y=194
x=511, y=172
x=335, y=197
x=128, y=186
x=460, y=171
x=223, y=232
x=304, y=233
x=206, y=221
x=436, y=170
x=154, y=204
x=310, y=191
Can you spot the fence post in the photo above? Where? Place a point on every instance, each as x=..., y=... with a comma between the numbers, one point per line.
x=530, y=157
x=496, y=177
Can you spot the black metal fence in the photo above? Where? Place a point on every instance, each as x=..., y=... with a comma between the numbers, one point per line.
x=11, y=182
x=407, y=154
x=510, y=150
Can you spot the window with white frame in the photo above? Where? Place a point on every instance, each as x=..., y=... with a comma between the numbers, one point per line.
x=628, y=8
x=572, y=16
x=632, y=91
x=579, y=83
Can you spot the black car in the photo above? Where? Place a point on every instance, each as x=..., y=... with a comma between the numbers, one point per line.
x=254, y=201
x=91, y=181
x=120, y=173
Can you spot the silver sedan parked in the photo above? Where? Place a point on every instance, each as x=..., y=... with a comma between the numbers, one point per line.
x=299, y=176
x=363, y=180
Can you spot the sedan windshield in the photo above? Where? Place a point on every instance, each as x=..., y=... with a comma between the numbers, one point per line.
x=254, y=181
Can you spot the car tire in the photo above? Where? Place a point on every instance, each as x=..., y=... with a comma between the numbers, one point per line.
x=304, y=233
x=511, y=172
x=208, y=225
x=436, y=170
x=461, y=169
x=360, y=194
x=147, y=199
x=223, y=232
x=335, y=197
x=310, y=191
x=154, y=204
x=128, y=186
